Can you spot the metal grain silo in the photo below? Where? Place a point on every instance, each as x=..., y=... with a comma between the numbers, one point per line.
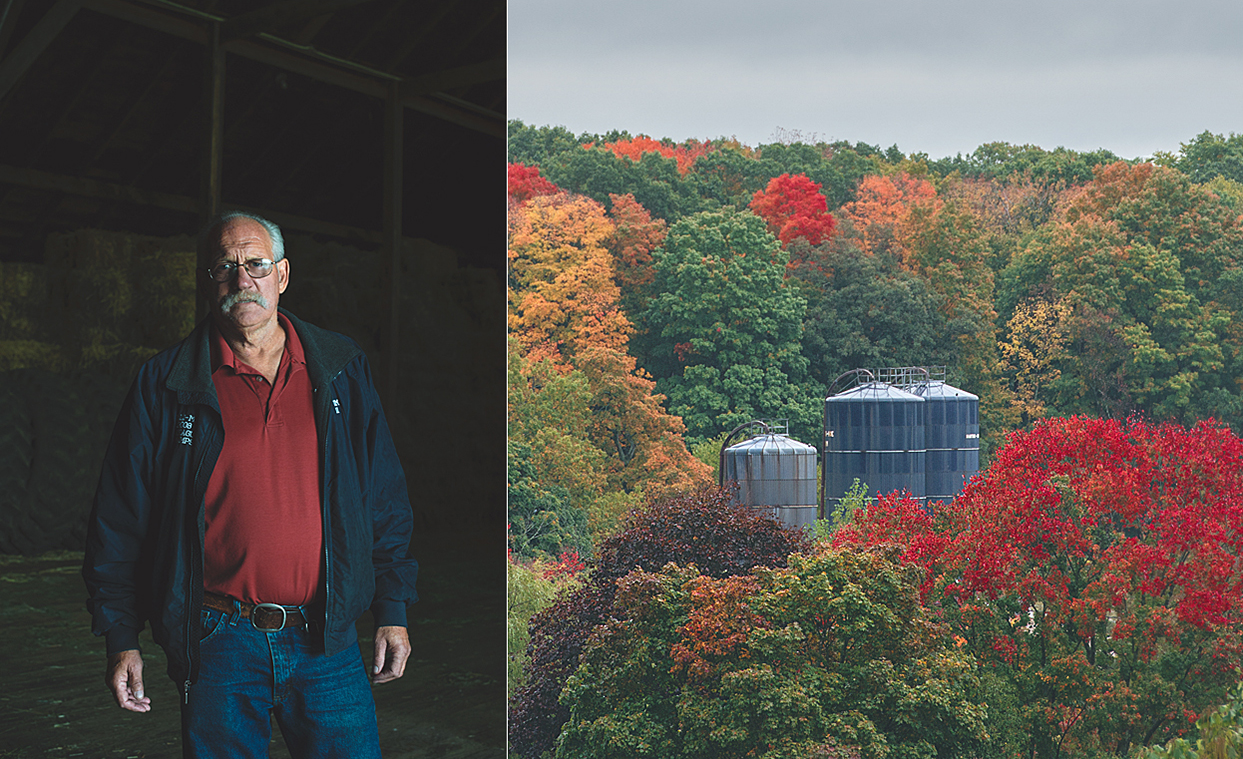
x=873, y=432
x=775, y=473
x=952, y=434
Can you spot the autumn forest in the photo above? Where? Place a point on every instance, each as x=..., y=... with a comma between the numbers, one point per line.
x=661, y=293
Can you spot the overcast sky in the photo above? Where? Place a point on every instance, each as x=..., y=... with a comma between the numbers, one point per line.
x=941, y=78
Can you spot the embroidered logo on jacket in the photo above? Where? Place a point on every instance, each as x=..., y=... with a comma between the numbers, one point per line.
x=185, y=425
x=336, y=405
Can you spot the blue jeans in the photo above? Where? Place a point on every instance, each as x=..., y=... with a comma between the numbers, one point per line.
x=323, y=704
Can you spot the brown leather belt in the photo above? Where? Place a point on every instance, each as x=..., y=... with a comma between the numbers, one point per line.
x=265, y=617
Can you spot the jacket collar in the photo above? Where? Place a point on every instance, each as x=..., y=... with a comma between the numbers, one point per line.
x=327, y=353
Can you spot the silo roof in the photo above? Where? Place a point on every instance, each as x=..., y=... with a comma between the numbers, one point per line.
x=940, y=390
x=772, y=443
x=874, y=391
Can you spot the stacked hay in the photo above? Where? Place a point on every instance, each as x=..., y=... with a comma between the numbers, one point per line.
x=75, y=329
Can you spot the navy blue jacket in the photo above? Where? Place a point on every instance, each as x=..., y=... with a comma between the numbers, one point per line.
x=144, y=551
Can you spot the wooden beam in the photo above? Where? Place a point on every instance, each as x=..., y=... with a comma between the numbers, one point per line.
x=168, y=23
x=30, y=48
x=93, y=188
x=212, y=156
x=8, y=20
x=490, y=123
x=306, y=61
x=351, y=77
x=393, y=240
x=463, y=76
x=280, y=14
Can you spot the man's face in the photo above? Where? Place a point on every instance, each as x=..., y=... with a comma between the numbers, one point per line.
x=242, y=300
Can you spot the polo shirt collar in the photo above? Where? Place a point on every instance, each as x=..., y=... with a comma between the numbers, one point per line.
x=222, y=354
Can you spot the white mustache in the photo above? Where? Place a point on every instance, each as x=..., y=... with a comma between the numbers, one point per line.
x=229, y=301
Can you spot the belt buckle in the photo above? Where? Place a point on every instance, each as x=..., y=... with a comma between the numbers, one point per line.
x=278, y=607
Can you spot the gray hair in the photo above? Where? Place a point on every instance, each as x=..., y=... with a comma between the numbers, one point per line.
x=206, y=239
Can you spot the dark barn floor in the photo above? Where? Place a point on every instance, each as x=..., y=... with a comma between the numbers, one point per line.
x=450, y=704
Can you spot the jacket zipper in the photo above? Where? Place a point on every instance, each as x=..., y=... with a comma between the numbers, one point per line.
x=194, y=596
x=325, y=508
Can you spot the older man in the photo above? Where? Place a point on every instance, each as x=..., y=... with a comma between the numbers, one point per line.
x=251, y=508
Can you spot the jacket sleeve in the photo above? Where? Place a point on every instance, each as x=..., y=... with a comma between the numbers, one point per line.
x=115, y=543
x=396, y=571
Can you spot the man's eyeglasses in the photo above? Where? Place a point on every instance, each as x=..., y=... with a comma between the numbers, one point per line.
x=257, y=268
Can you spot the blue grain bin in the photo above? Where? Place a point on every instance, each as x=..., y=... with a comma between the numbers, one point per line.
x=952, y=436
x=777, y=474
x=873, y=432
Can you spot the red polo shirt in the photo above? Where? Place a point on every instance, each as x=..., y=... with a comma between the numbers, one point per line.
x=264, y=541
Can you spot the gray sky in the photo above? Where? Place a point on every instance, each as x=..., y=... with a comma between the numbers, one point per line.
x=941, y=78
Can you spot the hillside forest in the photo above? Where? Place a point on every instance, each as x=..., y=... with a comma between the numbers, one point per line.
x=662, y=293
x=1082, y=597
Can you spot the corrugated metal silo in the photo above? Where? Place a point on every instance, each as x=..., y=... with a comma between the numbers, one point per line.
x=775, y=473
x=873, y=432
x=952, y=419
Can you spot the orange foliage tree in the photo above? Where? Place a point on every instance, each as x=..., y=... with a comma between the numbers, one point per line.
x=644, y=443
x=636, y=234
x=633, y=148
x=562, y=295
x=564, y=310
x=883, y=205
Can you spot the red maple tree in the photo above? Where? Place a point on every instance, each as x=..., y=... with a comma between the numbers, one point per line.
x=792, y=206
x=1098, y=566
x=525, y=183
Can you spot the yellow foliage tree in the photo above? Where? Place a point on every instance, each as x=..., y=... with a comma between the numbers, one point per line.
x=562, y=294
x=1036, y=340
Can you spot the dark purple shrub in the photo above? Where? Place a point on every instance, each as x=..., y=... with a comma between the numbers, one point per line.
x=704, y=528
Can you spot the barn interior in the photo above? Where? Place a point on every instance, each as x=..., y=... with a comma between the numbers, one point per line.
x=369, y=130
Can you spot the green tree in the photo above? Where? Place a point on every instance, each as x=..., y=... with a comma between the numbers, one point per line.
x=997, y=160
x=556, y=473
x=1211, y=155
x=1148, y=265
x=723, y=332
x=832, y=656
x=1221, y=735
x=865, y=310
x=597, y=172
x=542, y=521
x=536, y=145
x=729, y=175
x=706, y=528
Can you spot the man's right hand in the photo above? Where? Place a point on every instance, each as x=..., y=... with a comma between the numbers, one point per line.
x=124, y=679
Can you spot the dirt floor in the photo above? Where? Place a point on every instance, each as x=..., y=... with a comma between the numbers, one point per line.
x=450, y=704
